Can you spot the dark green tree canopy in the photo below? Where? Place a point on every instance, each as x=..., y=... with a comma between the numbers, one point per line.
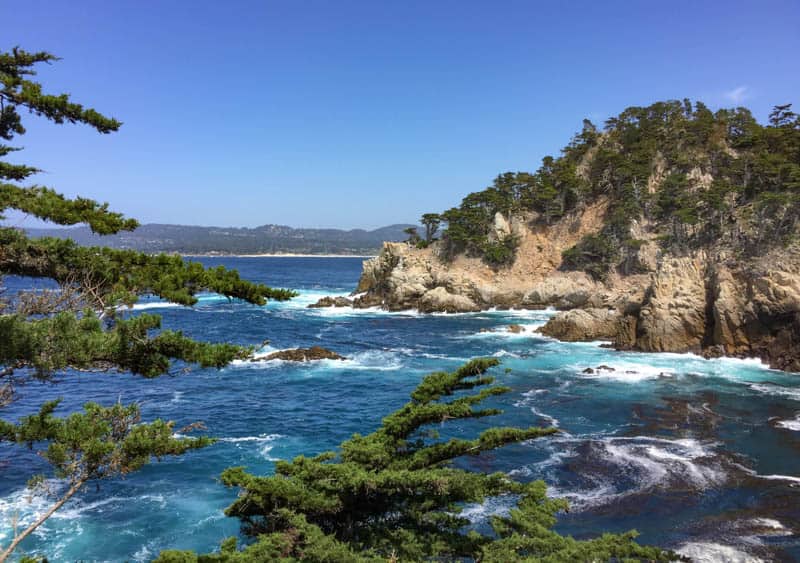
x=751, y=204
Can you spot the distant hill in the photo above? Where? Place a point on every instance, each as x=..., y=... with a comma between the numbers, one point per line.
x=266, y=239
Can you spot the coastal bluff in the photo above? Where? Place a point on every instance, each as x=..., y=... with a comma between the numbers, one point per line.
x=671, y=229
x=705, y=302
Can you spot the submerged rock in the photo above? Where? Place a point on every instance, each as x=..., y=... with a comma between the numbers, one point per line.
x=305, y=354
x=515, y=329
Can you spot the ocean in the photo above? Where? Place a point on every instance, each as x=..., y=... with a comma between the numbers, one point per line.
x=697, y=455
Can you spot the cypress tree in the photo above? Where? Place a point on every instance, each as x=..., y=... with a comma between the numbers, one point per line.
x=79, y=324
x=394, y=495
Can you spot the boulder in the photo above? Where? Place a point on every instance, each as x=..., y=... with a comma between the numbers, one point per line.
x=516, y=329
x=439, y=299
x=583, y=324
x=332, y=302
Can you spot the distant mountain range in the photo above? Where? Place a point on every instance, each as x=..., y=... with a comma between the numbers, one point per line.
x=266, y=239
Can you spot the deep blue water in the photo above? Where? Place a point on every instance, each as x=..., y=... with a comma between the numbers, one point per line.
x=702, y=455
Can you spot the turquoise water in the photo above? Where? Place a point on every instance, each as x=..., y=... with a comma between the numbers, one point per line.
x=700, y=455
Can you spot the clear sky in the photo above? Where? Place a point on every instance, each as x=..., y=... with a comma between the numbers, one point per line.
x=365, y=113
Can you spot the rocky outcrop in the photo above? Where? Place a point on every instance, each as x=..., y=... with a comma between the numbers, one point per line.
x=304, y=355
x=673, y=316
x=702, y=304
x=332, y=302
x=705, y=302
x=404, y=277
x=564, y=290
x=441, y=300
x=584, y=324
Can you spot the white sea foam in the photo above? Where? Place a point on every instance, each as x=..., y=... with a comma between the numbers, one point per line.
x=26, y=505
x=440, y=357
x=529, y=397
x=651, y=463
x=790, y=424
x=525, y=331
x=369, y=360
x=535, y=314
x=505, y=354
x=144, y=553
x=711, y=552
x=265, y=441
x=551, y=420
x=773, y=527
x=493, y=506
x=305, y=298
x=777, y=390
x=789, y=478
x=150, y=305
x=202, y=299
x=626, y=371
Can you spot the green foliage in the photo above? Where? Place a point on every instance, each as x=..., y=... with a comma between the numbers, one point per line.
x=694, y=176
x=101, y=441
x=431, y=221
x=500, y=253
x=394, y=494
x=413, y=236
x=119, y=276
x=18, y=92
x=77, y=325
x=80, y=341
x=594, y=254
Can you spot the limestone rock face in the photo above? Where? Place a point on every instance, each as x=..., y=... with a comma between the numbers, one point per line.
x=439, y=299
x=673, y=316
x=583, y=324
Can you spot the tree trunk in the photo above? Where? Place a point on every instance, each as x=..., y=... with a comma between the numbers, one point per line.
x=17, y=539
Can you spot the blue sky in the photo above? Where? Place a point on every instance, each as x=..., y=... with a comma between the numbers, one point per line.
x=366, y=113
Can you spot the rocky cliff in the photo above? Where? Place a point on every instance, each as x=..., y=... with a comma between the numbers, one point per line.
x=701, y=303
x=673, y=229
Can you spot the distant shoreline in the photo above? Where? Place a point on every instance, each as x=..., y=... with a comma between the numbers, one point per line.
x=278, y=255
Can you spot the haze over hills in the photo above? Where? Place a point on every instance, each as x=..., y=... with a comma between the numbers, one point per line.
x=266, y=239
